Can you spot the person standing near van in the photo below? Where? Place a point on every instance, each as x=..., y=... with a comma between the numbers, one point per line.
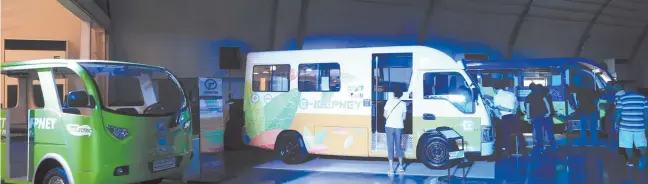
x=507, y=104
x=587, y=99
x=610, y=112
x=395, y=114
x=538, y=112
x=632, y=113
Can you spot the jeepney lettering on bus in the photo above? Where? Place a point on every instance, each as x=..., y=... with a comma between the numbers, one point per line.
x=43, y=123
x=306, y=103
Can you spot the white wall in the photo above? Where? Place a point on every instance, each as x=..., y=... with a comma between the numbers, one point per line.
x=184, y=35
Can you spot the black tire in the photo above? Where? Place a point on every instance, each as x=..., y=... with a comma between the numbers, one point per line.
x=290, y=148
x=155, y=181
x=55, y=176
x=434, y=152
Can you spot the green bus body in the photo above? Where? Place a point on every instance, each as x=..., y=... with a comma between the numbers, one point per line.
x=86, y=147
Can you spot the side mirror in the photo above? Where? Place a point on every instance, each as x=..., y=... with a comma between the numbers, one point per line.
x=78, y=99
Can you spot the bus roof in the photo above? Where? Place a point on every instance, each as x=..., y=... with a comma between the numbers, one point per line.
x=528, y=63
x=429, y=58
x=65, y=61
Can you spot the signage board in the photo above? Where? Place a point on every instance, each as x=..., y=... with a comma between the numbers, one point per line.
x=210, y=87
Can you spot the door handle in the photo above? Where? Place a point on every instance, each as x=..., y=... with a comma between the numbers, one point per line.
x=428, y=116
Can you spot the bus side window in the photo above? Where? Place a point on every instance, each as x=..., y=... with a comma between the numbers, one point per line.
x=74, y=85
x=450, y=86
x=319, y=77
x=271, y=78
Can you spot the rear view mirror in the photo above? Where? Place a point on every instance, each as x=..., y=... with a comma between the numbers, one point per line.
x=77, y=99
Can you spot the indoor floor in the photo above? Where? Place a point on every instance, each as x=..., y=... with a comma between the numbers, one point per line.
x=568, y=165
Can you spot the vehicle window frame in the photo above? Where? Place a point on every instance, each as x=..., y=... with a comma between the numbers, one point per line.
x=255, y=89
x=100, y=100
x=299, y=78
x=471, y=98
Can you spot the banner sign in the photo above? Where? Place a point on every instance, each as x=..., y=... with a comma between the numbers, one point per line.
x=210, y=87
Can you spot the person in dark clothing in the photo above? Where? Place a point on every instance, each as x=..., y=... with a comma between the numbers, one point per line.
x=538, y=112
x=552, y=111
x=587, y=99
x=610, y=110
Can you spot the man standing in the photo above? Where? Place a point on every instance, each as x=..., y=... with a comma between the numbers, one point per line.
x=609, y=96
x=538, y=112
x=506, y=103
x=587, y=106
x=632, y=111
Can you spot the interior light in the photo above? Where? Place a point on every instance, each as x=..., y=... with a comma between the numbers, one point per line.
x=265, y=72
x=309, y=70
x=256, y=73
x=273, y=68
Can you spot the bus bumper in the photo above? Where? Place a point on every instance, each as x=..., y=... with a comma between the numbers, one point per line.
x=137, y=172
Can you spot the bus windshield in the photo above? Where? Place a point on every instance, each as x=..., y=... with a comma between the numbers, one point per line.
x=136, y=90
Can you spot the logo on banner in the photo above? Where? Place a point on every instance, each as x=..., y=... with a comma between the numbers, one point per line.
x=210, y=87
x=255, y=98
x=267, y=98
x=211, y=84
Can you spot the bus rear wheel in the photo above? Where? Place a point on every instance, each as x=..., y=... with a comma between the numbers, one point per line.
x=55, y=176
x=290, y=148
x=434, y=153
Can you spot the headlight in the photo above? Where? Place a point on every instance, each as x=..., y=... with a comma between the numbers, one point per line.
x=120, y=133
x=184, y=121
x=187, y=125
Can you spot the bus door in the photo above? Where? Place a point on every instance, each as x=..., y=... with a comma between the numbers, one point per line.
x=390, y=70
x=31, y=107
x=14, y=119
x=444, y=99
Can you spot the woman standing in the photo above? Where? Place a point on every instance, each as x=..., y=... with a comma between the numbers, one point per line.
x=395, y=113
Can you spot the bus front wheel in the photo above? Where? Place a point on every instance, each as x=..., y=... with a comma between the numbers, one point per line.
x=434, y=152
x=290, y=147
x=55, y=176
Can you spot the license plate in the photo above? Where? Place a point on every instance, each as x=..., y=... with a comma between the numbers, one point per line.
x=164, y=164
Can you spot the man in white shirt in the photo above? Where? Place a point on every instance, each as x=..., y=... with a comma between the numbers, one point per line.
x=506, y=104
x=395, y=113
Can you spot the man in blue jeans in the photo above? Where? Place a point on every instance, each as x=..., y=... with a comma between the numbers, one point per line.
x=538, y=111
x=587, y=99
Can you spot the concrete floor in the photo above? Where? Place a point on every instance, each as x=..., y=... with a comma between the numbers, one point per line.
x=591, y=165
